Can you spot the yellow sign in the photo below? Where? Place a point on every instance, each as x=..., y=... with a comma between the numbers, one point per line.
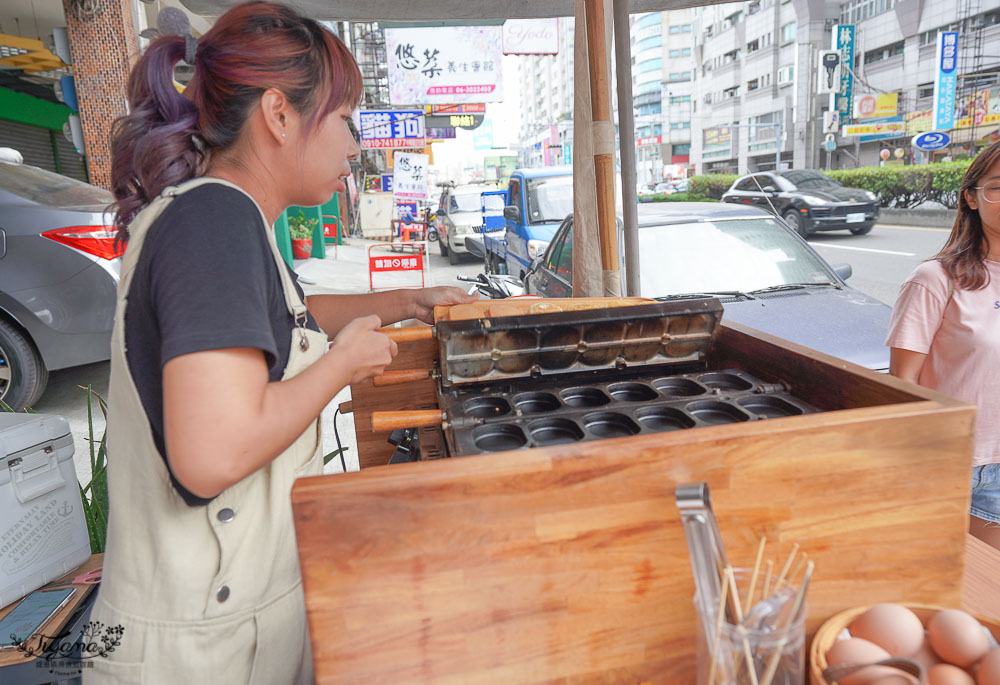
x=872, y=106
x=918, y=122
x=875, y=128
x=457, y=120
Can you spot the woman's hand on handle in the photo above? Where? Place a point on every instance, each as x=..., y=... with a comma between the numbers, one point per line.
x=426, y=299
x=364, y=348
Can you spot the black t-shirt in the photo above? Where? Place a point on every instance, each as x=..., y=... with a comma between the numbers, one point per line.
x=205, y=280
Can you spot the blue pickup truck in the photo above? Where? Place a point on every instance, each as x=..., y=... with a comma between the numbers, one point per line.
x=537, y=202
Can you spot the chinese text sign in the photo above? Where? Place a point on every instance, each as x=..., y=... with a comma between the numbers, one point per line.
x=444, y=65
x=945, y=80
x=409, y=175
x=392, y=129
x=843, y=40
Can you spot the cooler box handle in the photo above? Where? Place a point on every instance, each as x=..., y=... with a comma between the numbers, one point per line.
x=35, y=475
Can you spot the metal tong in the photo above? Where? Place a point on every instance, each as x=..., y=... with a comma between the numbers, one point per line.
x=708, y=555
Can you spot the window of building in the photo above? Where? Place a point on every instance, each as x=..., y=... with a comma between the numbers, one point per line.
x=682, y=149
x=678, y=125
x=786, y=74
x=731, y=92
x=788, y=33
x=883, y=53
x=732, y=20
x=680, y=76
x=682, y=28
x=650, y=65
x=683, y=52
x=855, y=11
x=652, y=108
x=753, y=8
x=649, y=43
x=731, y=56
x=753, y=46
x=675, y=99
x=646, y=20
x=651, y=87
x=762, y=131
x=753, y=84
x=925, y=90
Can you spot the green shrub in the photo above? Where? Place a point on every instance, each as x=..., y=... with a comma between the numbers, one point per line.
x=677, y=197
x=709, y=186
x=902, y=187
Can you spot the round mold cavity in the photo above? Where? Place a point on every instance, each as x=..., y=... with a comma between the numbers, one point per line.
x=769, y=407
x=678, y=387
x=684, y=325
x=554, y=431
x=536, y=402
x=476, y=345
x=522, y=342
x=664, y=418
x=644, y=329
x=715, y=413
x=609, y=334
x=486, y=407
x=609, y=424
x=564, y=336
x=584, y=397
x=725, y=380
x=498, y=437
x=631, y=392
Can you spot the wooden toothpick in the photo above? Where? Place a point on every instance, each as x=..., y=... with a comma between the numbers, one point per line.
x=753, y=576
x=772, y=664
x=788, y=565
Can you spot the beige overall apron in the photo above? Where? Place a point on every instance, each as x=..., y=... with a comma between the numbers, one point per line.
x=205, y=594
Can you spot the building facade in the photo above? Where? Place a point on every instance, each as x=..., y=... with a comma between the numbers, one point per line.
x=546, y=86
x=756, y=63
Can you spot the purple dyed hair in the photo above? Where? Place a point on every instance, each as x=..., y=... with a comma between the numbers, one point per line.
x=167, y=136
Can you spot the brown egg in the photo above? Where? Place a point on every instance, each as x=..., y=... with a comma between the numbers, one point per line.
x=858, y=651
x=901, y=679
x=946, y=674
x=892, y=627
x=957, y=637
x=989, y=669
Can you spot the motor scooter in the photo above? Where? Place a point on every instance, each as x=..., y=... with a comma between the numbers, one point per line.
x=495, y=286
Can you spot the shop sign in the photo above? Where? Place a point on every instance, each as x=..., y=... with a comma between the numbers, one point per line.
x=648, y=140
x=894, y=127
x=444, y=65
x=918, y=122
x=717, y=140
x=531, y=37
x=932, y=140
x=410, y=175
x=945, y=80
x=406, y=211
x=843, y=41
x=443, y=133
x=382, y=264
x=876, y=106
x=467, y=108
x=391, y=129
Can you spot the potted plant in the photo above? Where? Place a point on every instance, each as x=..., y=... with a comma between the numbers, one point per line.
x=300, y=229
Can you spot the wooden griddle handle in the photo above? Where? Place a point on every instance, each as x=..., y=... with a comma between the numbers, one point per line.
x=346, y=407
x=409, y=333
x=392, y=420
x=397, y=377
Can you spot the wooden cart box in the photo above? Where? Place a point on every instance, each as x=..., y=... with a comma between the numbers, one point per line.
x=568, y=564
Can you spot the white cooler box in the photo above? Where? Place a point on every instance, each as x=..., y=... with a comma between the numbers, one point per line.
x=43, y=531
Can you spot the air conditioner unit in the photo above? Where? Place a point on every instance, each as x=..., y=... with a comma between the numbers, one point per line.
x=708, y=99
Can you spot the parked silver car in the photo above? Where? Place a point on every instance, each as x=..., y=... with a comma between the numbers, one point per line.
x=459, y=214
x=765, y=275
x=59, y=271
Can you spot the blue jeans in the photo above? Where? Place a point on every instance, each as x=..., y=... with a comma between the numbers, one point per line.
x=986, y=492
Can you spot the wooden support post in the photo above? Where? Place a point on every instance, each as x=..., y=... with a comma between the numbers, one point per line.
x=604, y=145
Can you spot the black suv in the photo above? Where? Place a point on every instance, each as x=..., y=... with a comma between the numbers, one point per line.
x=807, y=200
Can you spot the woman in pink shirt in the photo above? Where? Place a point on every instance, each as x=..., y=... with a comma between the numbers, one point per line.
x=945, y=329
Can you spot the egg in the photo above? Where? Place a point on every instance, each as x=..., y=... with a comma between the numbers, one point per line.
x=892, y=627
x=901, y=679
x=989, y=669
x=957, y=637
x=856, y=650
x=946, y=674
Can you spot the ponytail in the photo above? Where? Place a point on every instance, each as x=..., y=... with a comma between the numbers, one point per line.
x=166, y=137
x=153, y=146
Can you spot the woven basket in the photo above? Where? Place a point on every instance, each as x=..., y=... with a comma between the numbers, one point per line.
x=827, y=635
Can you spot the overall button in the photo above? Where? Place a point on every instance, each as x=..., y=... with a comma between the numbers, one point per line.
x=226, y=515
x=223, y=594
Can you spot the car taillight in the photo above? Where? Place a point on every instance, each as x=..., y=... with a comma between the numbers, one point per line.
x=96, y=240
